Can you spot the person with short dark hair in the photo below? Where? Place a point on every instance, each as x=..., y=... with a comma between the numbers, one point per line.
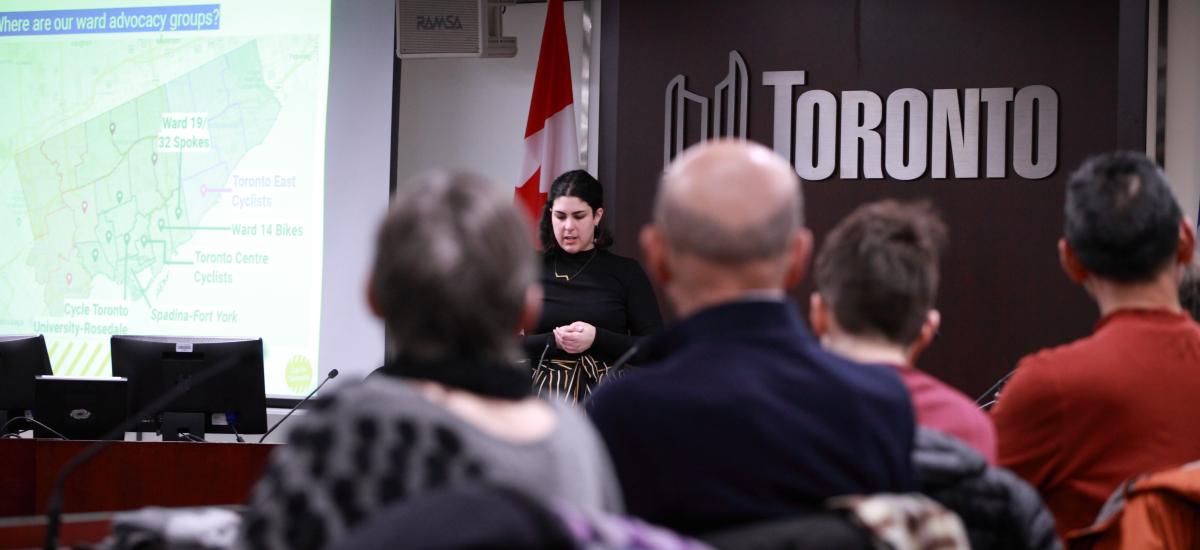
x=735, y=414
x=1079, y=419
x=453, y=281
x=876, y=286
x=877, y=280
x=597, y=304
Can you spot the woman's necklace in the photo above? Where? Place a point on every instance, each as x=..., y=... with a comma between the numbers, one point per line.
x=569, y=278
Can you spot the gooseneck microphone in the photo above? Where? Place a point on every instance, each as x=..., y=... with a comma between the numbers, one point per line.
x=332, y=374
x=55, y=505
x=4, y=429
x=992, y=393
x=549, y=340
x=615, y=369
x=619, y=364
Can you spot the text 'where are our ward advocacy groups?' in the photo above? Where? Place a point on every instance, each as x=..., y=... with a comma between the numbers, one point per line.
x=202, y=17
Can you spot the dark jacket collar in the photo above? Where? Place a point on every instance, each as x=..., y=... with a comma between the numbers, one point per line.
x=482, y=377
x=730, y=320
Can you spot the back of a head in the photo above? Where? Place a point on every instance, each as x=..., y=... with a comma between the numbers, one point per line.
x=453, y=264
x=878, y=269
x=1122, y=220
x=729, y=203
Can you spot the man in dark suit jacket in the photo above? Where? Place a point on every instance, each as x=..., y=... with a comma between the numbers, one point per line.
x=736, y=414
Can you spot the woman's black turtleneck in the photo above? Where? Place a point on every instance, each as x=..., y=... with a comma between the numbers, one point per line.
x=607, y=291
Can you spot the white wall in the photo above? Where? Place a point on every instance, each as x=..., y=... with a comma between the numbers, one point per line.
x=470, y=113
x=1182, y=141
x=357, y=154
x=454, y=113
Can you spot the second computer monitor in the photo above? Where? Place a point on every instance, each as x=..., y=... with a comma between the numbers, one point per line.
x=80, y=408
x=22, y=358
x=155, y=365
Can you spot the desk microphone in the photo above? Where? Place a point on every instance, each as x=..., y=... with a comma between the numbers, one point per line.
x=332, y=374
x=989, y=397
x=544, y=350
x=55, y=505
x=614, y=370
x=619, y=364
x=4, y=429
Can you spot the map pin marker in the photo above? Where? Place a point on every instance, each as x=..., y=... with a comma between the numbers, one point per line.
x=203, y=190
x=84, y=207
x=108, y=236
x=120, y=197
x=143, y=240
x=127, y=238
x=178, y=212
x=70, y=278
x=154, y=159
x=95, y=254
x=112, y=128
x=161, y=224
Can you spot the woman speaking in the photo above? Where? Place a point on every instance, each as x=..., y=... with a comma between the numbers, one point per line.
x=597, y=304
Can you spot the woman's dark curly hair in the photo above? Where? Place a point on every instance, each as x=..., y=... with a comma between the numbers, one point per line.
x=579, y=184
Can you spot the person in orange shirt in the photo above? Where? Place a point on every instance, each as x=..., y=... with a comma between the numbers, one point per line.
x=1078, y=419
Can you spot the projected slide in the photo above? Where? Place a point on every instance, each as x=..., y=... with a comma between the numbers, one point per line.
x=162, y=172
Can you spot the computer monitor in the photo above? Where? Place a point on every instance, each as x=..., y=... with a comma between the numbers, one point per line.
x=79, y=408
x=22, y=358
x=155, y=365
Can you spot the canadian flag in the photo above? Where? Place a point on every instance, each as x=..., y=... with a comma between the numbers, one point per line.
x=551, y=146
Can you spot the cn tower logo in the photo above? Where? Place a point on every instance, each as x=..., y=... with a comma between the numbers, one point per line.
x=725, y=118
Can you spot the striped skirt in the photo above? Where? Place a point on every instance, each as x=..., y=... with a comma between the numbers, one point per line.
x=571, y=380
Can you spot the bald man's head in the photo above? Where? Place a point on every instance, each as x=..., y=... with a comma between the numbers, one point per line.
x=729, y=203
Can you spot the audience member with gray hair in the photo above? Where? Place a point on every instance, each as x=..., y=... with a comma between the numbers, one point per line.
x=453, y=281
x=736, y=415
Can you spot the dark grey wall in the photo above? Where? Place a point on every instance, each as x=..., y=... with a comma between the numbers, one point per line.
x=1002, y=294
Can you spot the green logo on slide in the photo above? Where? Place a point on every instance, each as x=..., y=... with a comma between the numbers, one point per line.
x=298, y=374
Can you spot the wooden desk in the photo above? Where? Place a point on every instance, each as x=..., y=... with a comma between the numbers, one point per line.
x=128, y=475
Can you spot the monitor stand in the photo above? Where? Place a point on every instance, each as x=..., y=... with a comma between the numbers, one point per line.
x=175, y=425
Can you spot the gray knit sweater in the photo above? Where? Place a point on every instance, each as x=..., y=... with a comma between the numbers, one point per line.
x=381, y=442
